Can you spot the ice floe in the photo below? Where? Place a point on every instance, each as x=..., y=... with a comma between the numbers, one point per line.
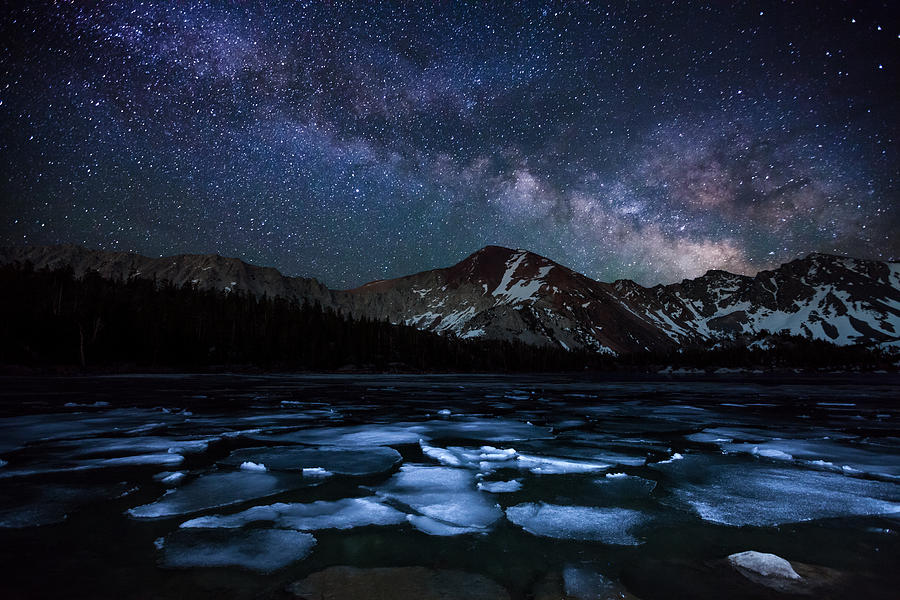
x=262, y=550
x=439, y=528
x=607, y=525
x=762, y=495
x=443, y=494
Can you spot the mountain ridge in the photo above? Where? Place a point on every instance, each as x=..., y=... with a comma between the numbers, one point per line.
x=503, y=293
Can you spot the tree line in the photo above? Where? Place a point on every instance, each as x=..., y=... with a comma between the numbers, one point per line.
x=52, y=318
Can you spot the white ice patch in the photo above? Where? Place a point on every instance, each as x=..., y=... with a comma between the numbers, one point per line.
x=341, y=514
x=253, y=467
x=486, y=458
x=607, y=525
x=443, y=494
x=500, y=487
x=262, y=550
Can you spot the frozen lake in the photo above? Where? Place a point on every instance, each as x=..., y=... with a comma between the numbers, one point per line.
x=533, y=487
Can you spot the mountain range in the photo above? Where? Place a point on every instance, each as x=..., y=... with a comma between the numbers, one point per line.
x=505, y=294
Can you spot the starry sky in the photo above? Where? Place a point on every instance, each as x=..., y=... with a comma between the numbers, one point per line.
x=353, y=141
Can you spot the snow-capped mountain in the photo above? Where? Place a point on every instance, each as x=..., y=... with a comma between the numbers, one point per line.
x=500, y=293
x=841, y=300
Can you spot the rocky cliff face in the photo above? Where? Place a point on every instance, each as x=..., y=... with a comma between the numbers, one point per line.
x=500, y=293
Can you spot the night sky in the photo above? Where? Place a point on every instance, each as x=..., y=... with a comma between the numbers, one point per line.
x=355, y=141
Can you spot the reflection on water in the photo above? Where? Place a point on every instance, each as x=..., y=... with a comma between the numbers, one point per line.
x=242, y=486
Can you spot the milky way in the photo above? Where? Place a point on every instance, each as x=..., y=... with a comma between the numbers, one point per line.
x=354, y=141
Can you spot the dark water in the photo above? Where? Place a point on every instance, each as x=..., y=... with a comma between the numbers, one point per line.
x=639, y=485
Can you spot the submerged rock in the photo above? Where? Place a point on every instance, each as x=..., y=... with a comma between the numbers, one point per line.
x=776, y=573
x=763, y=563
x=398, y=583
x=578, y=583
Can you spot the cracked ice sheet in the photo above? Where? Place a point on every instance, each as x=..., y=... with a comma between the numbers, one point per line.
x=140, y=460
x=749, y=493
x=215, y=491
x=444, y=495
x=356, y=462
x=99, y=453
x=130, y=445
x=34, y=505
x=261, y=550
x=16, y=432
x=485, y=429
x=619, y=487
x=340, y=514
x=362, y=436
x=826, y=454
x=607, y=525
